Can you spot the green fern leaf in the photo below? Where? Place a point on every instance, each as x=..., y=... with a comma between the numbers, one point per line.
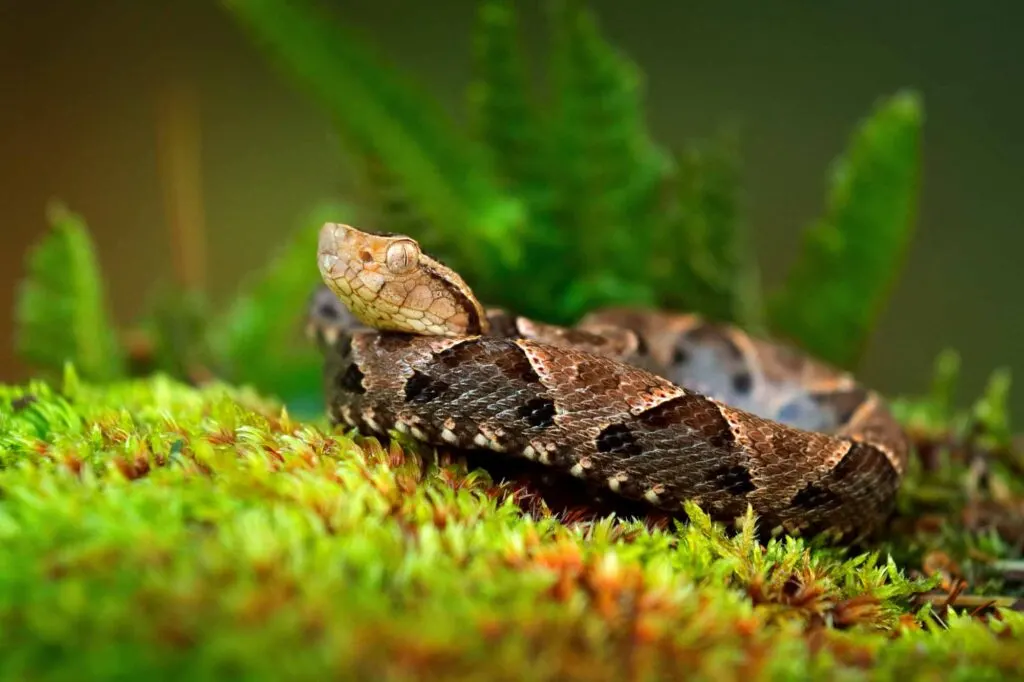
x=501, y=106
x=851, y=257
x=702, y=257
x=440, y=171
x=514, y=133
x=610, y=173
x=61, y=313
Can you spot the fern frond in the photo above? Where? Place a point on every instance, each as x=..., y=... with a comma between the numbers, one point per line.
x=442, y=173
x=61, y=312
x=850, y=259
x=702, y=257
x=609, y=171
x=500, y=103
x=515, y=134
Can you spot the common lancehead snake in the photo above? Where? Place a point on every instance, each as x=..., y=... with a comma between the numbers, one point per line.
x=650, y=406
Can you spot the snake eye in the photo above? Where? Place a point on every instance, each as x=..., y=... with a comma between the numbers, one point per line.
x=402, y=256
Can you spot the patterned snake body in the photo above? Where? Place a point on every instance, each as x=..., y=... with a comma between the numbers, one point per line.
x=654, y=407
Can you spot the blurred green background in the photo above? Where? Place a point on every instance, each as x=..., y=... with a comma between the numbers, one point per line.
x=81, y=85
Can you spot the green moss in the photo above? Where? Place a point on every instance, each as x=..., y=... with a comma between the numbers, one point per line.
x=151, y=528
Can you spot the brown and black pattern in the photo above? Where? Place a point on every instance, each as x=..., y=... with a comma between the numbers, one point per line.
x=615, y=426
x=611, y=402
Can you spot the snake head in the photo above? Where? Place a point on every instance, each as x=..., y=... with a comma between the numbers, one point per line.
x=389, y=283
x=365, y=258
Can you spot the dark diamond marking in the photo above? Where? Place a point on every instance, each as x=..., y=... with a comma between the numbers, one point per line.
x=462, y=353
x=538, y=412
x=619, y=440
x=580, y=337
x=509, y=358
x=514, y=364
x=422, y=388
x=735, y=479
x=742, y=382
x=844, y=404
x=813, y=496
x=668, y=413
x=715, y=334
x=733, y=349
x=864, y=459
x=693, y=411
x=351, y=380
x=390, y=341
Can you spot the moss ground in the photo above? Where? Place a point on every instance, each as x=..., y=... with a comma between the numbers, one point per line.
x=150, y=528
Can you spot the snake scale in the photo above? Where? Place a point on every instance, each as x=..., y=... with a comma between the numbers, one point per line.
x=654, y=407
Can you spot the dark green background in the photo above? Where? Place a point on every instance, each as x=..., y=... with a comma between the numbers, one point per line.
x=77, y=120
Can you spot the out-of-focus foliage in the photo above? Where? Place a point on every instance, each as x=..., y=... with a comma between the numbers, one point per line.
x=961, y=506
x=607, y=174
x=385, y=117
x=705, y=231
x=555, y=203
x=559, y=201
x=257, y=339
x=61, y=313
x=849, y=260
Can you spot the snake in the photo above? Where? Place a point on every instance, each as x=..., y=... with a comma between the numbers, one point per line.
x=657, y=408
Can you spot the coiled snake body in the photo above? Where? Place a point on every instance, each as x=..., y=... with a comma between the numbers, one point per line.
x=651, y=406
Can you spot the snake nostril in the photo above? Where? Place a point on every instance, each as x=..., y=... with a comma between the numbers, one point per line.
x=366, y=256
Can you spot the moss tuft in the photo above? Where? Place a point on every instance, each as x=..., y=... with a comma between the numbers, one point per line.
x=152, y=527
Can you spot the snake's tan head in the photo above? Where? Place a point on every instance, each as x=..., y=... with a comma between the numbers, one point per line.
x=389, y=283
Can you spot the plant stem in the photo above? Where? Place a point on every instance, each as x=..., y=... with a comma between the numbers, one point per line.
x=180, y=167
